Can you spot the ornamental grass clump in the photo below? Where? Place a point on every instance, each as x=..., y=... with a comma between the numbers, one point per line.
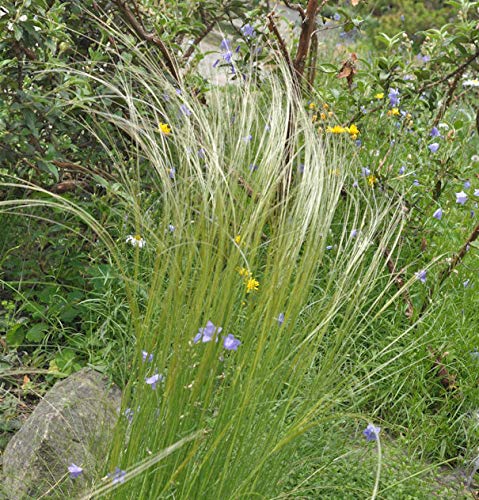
x=218, y=410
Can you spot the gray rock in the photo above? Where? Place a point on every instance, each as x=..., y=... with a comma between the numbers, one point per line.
x=72, y=424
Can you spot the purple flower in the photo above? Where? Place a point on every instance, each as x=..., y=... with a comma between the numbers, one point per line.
x=416, y=183
x=371, y=432
x=466, y=283
x=118, y=476
x=147, y=356
x=280, y=319
x=337, y=17
x=248, y=30
x=402, y=170
x=253, y=168
x=216, y=63
x=461, y=198
x=358, y=143
x=355, y=184
x=433, y=147
x=154, y=379
x=421, y=276
x=201, y=153
x=354, y=233
x=74, y=470
x=228, y=56
x=171, y=228
x=301, y=168
x=365, y=171
x=438, y=214
x=185, y=110
x=329, y=247
x=225, y=44
x=129, y=414
x=230, y=343
x=172, y=172
x=435, y=132
x=393, y=98
x=476, y=192
x=248, y=138
x=178, y=91
x=467, y=184
x=207, y=333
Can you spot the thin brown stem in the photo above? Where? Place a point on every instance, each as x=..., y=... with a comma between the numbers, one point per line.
x=138, y=28
x=460, y=69
x=198, y=39
x=282, y=46
x=295, y=7
x=304, y=43
x=399, y=282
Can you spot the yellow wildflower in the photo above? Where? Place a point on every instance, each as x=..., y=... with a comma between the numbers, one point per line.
x=242, y=271
x=323, y=116
x=252, y=285
x=337, y=129
x=379, y=95
x=312, y=105
x=237, y=239
x=372, y=179
x=330, y=113
x=393, y=112
x=353, y=130
x=325, y=106
x=314, y=118
x=165, y=128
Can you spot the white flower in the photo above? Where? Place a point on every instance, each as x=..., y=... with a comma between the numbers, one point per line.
x=471, y=83
x=136, y=241
x=10, y=26
x=23, y=18
x=3, y=11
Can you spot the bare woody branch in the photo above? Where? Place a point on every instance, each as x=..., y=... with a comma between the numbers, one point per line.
x=307, y=30
x=295, y=7
x=198, y=39
x=282, y=46
x=455, y=261
x=147, y=36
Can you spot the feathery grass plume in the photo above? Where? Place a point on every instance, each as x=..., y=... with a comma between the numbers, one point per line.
x=252, y=403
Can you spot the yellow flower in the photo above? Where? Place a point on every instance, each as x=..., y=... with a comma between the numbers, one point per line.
x=372, y=179
x=325, y=106
x=323, y=116
x=353, y=130
x=335, y=171
x=237, y=239
x=337, y=129
x=165, y=128
x=379, y=95
x=393, y=112
x=314, y=118
x=252, y=285
x=242, y=271
x=312, y=105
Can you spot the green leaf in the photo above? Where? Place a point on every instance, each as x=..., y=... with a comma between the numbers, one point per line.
x=37, y=332
x=15, y=335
